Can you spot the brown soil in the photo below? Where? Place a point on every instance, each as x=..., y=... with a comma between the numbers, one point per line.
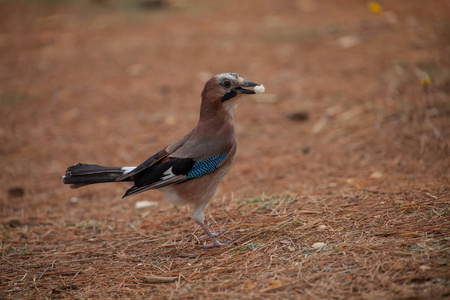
x=348, y=147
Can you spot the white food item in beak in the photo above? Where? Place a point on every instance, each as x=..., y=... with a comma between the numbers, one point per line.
x=259, y=89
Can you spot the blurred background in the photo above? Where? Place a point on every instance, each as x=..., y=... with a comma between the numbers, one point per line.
x=357, y=95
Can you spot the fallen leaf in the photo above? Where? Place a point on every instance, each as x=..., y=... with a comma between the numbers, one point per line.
x=407, y=234
x=249, y=285
x=275, y=284
x=375, y=7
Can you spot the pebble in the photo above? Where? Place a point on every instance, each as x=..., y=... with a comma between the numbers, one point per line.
x=16, y=192
x=322, y=227
x=140, y=205
x=348, y=41
x=318, y=245
x=298, y=116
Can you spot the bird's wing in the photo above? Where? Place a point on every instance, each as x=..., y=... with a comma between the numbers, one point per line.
x=157, y=157
x=172, y=170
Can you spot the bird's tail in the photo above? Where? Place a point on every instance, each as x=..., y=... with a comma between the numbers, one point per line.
x=83, y=174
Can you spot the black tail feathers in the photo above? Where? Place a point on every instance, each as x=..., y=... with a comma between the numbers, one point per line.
x=83, y=174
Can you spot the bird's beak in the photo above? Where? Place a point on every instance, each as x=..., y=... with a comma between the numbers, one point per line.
x=241, y=89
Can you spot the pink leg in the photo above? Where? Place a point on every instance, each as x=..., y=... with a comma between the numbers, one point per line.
x=215, y=234
x=212, y=237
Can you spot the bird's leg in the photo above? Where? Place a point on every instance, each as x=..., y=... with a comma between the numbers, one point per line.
x=212, y=237
x=215, y=234
x=200, y=218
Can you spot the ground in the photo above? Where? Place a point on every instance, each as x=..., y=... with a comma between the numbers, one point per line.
x=348, y=147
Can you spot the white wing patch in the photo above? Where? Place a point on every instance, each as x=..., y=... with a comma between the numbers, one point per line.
x=127, y=169
x=167, y=174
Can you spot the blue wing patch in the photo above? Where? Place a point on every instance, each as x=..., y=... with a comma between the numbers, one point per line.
x=206, y=166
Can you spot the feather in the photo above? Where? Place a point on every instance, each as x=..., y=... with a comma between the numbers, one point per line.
x=173, y=170
x=206, y=166
x=146, y=164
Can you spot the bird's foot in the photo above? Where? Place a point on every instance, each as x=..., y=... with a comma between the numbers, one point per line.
x=214, y=234
x=216, y=243
x=212, y=237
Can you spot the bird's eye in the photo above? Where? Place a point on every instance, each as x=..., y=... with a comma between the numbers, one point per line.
x=226, y=84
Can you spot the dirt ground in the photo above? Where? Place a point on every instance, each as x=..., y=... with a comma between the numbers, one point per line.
x=348, y=147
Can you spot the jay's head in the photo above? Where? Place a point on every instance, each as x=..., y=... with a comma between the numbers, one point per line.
x=224, y=87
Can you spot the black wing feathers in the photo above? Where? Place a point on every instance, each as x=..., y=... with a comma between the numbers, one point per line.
x=182, y=166
x=165, y=172
x=146, y=164
x=160, y=170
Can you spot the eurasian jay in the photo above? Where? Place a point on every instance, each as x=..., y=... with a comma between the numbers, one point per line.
x=190, y=170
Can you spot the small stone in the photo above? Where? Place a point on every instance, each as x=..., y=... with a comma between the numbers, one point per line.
x=318, y=245
x=298, y=116
x=376, y=175
x=306, y=149
x=425, y=267
x=322, y=227
x=348, y=41
x=16, y=192
x=13, y=223
x=141, y=205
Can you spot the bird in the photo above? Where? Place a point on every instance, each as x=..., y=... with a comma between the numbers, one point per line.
x=190, y=170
